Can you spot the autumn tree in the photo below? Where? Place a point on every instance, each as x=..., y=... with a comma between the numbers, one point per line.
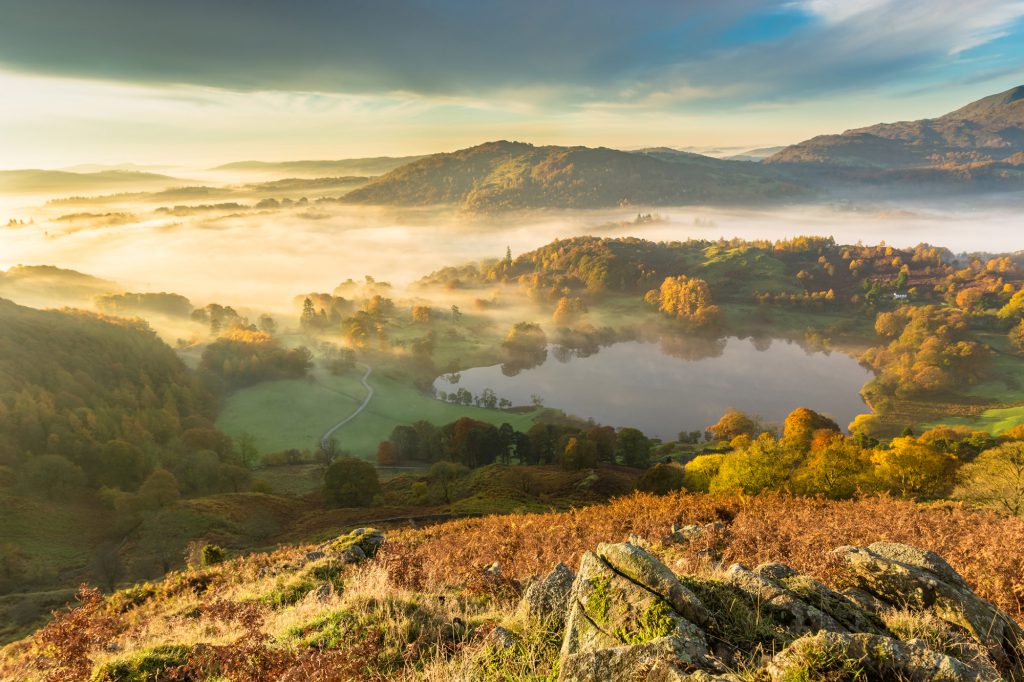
x=662, y=478
x=421, y=314
x=761, y=464
x=350, y=482
x=386, y=455
x=801, y=426
x=836, y=470
x=634, y=448
x=685, y=298
x=995, y=479
x=1016, y=337
x=928, y=350
x=912, y=469
x=735, y=423
x=473, y=443
x=568, y=309
x=159, y=490
x=700, y=471
x=579, y=453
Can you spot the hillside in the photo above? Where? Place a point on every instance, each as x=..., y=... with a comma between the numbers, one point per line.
x=647, y=587
x=45, y=181
x=93, y=392
x=990, y=130
x=49, y=286
x=97, y=416
x=514, y=175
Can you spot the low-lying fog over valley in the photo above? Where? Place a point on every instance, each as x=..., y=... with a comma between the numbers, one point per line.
x=261, y=257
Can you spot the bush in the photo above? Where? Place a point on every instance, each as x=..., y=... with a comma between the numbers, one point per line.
x=211, y=554
x=662, y=478
x=698, y=472
x=350, y=482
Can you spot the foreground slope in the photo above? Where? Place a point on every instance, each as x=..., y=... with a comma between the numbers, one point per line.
x=514, y=175
x=485, y=599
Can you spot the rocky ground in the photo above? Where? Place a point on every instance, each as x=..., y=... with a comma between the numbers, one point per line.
x=632, y=610
x=904, y=615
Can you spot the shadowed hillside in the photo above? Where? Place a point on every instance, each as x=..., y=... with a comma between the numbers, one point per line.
x=514, y=175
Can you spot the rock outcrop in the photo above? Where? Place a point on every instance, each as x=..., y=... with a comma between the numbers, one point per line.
x=546, y=601
x=360, y=544
x=828, y=655
x=628, y=617
x=898, y=575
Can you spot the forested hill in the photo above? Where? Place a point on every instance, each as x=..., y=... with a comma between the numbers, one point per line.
x=92, y=401
x=986, y=132
x=45, y=285
x=514, y=175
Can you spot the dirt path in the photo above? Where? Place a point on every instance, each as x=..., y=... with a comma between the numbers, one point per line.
x=366, y=401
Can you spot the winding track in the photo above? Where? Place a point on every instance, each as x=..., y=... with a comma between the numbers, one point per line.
x=366, y=401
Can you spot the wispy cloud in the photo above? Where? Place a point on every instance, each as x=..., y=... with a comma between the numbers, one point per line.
x=229, y=71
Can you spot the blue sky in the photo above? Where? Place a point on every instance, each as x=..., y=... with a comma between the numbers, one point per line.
x=205, y=81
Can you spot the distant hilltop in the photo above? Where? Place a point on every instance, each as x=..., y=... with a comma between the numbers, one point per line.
x=977, y=148
x=505, y=175
x=988, y=131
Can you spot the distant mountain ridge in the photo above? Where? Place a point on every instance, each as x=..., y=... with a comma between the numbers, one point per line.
x=988, y=131
x=375, y=165
x=507, y=175
x=29, y=181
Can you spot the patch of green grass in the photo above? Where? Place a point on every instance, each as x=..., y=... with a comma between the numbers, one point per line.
x=291, y=413
x=150, y=665
x=289, y=589
x=326, y=631
x=653, y=623
x=994, y=421
x=532, y=657
x=818, y=662
x=399, y=622
x=296, y=413
x=599, y=600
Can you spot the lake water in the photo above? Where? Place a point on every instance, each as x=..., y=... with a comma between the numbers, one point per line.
x=666, y=388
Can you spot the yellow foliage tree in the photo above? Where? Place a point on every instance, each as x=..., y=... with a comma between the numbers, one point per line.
x=912, y=469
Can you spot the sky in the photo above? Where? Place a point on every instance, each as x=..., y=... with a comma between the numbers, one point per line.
x=202, y=82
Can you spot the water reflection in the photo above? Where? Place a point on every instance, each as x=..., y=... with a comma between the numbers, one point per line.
x=678, y=383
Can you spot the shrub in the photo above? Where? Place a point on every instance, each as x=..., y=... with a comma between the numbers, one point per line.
x=662, y=478
x=699, y=471
x=211, y=555
x=350, y=482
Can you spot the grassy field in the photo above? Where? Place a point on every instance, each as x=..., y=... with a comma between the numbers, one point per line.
x=295, y=413
x=995, y=420
x=1002, y=397
x=292, y=413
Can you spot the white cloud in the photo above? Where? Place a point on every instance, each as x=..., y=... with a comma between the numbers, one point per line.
x=952, y=26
